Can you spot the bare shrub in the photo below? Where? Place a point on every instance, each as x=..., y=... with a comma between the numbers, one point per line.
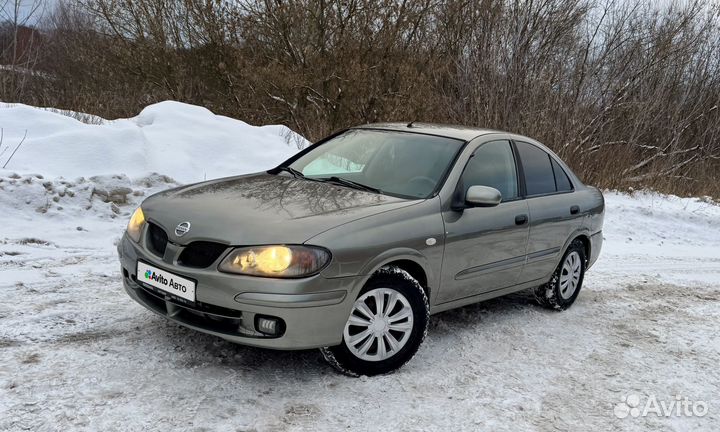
x=626, y=92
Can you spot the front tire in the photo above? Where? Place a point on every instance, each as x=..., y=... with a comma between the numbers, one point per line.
x=387, y=324
x=564, y=286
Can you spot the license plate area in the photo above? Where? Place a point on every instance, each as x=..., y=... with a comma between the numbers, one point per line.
x=166, y=282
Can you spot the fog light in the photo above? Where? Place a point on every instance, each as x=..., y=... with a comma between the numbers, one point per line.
x=267, y=325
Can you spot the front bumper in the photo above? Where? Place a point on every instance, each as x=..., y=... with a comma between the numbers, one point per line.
x=314, y=310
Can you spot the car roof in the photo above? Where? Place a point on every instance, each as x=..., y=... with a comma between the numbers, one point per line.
x=464, y=133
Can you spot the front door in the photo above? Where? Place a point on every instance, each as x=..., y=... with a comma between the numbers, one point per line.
x=485, y=247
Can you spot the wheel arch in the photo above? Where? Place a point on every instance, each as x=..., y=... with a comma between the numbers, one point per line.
x=582, y=234
x=409, y=260
x=586, y=242
x=415, y=270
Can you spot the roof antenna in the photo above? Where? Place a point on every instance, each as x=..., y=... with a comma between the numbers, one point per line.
x=411, y=123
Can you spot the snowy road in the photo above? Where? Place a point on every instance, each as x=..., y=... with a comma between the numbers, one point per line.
x=77, y=354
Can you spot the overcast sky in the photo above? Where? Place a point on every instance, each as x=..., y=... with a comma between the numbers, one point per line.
x=25, y=7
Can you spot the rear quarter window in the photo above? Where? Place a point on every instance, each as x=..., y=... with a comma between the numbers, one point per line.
x=561, y=179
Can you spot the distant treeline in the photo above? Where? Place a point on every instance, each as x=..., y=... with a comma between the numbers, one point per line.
x=627, y=92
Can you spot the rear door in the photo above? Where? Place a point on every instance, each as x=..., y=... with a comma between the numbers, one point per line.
x=485, y=246
x=553, y=207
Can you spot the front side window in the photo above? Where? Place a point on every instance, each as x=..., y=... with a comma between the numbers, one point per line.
x=403, y=164
x=493, y=165
x=539, y=176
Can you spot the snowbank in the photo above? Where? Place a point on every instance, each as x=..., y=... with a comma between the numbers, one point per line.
x=24, y=199
x=186, y=142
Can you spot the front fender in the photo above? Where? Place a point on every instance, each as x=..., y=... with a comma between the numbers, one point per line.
x=397, y=254
x=414, y=233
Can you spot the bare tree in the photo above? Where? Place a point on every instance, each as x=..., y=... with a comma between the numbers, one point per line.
x=19, y=51
x=626, y=92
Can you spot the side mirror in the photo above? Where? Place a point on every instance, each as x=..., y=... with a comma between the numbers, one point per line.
x=482, y=196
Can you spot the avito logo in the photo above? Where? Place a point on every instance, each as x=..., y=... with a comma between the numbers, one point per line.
x=156, y=277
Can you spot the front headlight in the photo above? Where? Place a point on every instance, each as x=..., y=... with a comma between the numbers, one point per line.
x=135, y=226
x=276, y=261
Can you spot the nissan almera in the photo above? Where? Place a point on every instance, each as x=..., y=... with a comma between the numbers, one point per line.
x=350, y=245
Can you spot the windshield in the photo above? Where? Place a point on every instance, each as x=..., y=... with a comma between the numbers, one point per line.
x=396, y=163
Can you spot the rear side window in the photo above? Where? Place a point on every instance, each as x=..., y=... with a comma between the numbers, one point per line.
x=493, y=165
x=539, y=176
x=561, y=179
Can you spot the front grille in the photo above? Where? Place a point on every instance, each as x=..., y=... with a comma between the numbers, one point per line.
x=157, y=239
x=201, y=254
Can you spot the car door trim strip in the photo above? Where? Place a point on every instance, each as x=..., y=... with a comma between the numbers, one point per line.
x=474, y=271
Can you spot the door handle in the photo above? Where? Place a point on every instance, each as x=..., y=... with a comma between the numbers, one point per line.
x=521, y=219
x=574, y=209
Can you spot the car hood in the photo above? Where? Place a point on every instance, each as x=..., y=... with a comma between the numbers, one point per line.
x=262, y=209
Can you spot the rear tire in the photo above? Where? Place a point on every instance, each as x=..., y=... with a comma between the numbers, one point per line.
x=564, y=285
x=388, y=323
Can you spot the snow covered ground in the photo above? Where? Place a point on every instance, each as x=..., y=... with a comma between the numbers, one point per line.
x=77, y=354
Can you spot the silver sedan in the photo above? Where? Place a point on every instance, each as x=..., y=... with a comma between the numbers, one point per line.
x=354, y=242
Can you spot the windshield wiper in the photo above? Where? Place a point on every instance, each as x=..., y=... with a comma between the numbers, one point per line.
x=291, y=170
x=334, y=179
x=352, y=184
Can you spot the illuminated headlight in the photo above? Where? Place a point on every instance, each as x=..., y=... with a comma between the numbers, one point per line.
x=276, y=261
x=135, y=226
